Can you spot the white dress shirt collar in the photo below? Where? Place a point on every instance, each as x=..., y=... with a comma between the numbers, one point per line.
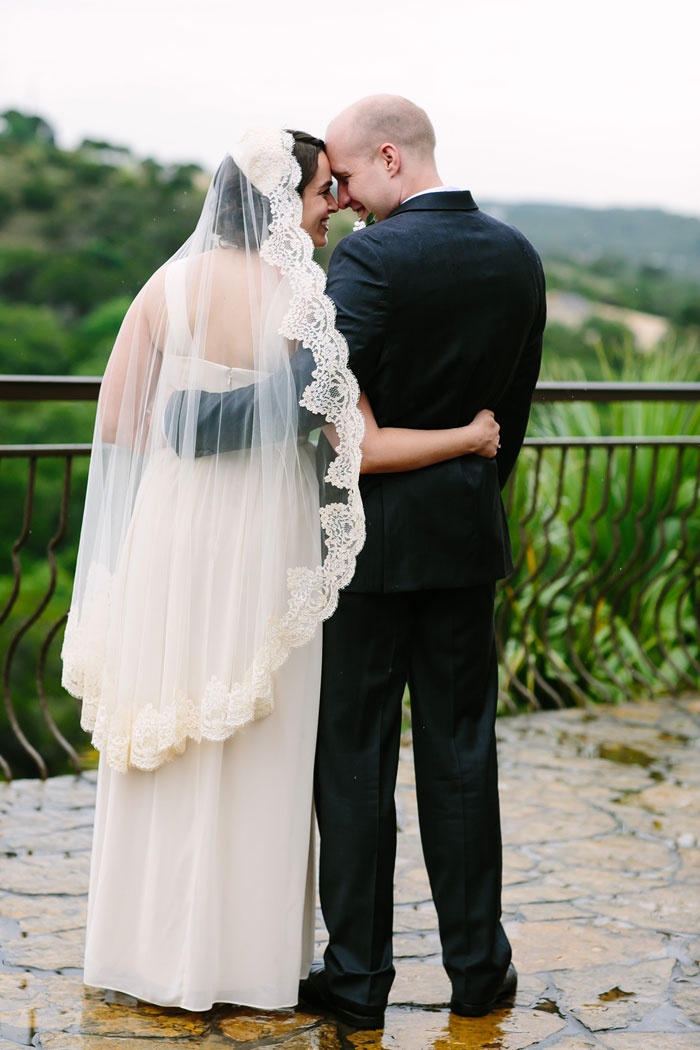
x=433, y=189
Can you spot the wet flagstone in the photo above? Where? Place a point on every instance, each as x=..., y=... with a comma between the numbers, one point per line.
x=441, y=1030
x=37, y=915
x=57, y=951
x=613, y=996
x=659, y=1041
x=686, y=998
x=601, y=821
x=64, y=873
x=247, y=1026
x=658, y=909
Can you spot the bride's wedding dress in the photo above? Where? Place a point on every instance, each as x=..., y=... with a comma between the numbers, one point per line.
x=193, y=638
x=202, y=888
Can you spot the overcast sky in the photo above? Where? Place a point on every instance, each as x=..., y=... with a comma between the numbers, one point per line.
x=548, y=100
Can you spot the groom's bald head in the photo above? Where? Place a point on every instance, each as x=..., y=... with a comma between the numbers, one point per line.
x=382, y=150
x=377, y=119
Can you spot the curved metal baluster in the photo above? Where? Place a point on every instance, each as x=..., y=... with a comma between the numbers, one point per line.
x=643, y=572
x=513, y=592
x=41, y=665
x=4, y=765
x=41, y=690
x=502, y=603
x=542, y=563
x=693, y=566
x=585, y=586
x=6, y=771
x=693, y=579
x=560, y=575
x=506, y=594
x=675, y=571
x=615, y=580
x=7, y=663
x=671, y=577
x=20, y=541
x=605, y=579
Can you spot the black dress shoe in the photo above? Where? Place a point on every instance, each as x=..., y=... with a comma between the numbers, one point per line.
x=503, y=997
x=314, y=991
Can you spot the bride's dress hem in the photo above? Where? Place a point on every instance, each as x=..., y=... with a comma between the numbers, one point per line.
x=170, y=1002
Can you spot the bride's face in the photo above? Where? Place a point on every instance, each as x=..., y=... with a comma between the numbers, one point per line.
x=318, y=203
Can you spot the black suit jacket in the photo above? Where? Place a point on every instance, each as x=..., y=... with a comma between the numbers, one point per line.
x=443, y=308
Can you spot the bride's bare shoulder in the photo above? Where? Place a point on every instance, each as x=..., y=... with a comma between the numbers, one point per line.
x=153, y=291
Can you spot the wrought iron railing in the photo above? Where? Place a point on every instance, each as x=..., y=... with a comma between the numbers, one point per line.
x=604, y=601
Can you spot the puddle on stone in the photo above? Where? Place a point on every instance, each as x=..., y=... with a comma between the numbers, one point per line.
x=615, y=993
x=625, y=755
x=548, y=1006
x=675, y=738
x=113, y=998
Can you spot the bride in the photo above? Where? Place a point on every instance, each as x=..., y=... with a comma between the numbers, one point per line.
x=201, y=581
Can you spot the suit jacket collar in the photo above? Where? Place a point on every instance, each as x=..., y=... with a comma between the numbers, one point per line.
x=447, y=200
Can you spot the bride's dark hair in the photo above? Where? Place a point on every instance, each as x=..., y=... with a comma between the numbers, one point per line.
x=243, y=210
x=306, y=149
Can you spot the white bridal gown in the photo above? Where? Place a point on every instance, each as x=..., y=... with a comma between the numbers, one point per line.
x=202, y=877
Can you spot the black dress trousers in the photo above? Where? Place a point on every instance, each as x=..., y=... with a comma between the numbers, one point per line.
x=442, y=643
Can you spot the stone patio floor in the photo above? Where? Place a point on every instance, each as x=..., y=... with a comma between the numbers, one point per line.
x=601, y=901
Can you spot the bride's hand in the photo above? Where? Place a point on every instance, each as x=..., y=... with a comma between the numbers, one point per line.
x=483, y=434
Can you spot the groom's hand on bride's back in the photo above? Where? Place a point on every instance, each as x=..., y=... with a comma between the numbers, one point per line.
x=198, y=423
x=192, y=422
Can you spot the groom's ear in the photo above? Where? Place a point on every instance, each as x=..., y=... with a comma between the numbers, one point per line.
x=390, y=158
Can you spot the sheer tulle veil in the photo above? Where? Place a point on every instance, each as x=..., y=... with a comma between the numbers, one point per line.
x=231, y=548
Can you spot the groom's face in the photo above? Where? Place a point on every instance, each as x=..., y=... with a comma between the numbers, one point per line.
x=363, y=182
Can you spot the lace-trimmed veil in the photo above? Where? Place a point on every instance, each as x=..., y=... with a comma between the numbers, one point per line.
x=229, y=309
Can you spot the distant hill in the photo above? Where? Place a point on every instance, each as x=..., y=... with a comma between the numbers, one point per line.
x=642, y=237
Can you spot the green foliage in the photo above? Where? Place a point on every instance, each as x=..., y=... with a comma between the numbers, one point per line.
x=571, y=354
x=94, y=335
x=607, y=353
x=18, y=268
x=32, y=341
x=21, y=129
x=82, y=226
x=649, y=289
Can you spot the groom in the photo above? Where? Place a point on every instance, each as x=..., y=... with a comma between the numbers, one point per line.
x=443, y=308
